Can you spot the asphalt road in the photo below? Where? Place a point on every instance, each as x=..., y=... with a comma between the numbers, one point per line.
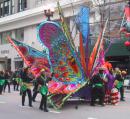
x=10, y=108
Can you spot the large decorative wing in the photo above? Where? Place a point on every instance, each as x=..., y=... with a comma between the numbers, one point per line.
x=69, y=74
x=33, y=58
x=82, y=22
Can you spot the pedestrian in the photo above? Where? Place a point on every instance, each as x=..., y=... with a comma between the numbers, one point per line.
x=111, y=94
x=26, y=86
x=16, y=80
x=98, y=87
x=35, y=90
x=120, y=84
x=2, y=81
x=42, y=82
x=7, y=80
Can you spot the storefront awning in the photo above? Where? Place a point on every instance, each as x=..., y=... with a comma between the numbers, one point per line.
x=118, y=49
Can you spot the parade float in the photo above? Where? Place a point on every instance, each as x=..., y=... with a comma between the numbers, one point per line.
x=72, y=69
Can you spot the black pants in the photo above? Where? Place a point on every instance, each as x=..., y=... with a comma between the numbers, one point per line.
x=1, y=89
x=28, y=91
x=7, y=83
x=121, y=90
x=97, y=93
x=43, y=102
x=35, y=92
x=34, y=95
x=16, y=86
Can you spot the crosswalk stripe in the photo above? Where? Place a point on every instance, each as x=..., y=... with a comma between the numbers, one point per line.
x=24, y=106
x=54, y=111
x=91, y=118
x=2, y=102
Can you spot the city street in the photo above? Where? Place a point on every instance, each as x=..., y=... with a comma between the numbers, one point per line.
x=10, y=108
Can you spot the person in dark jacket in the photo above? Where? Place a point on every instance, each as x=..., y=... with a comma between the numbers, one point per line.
x=98, y=87
x=42, y=82
x=120, y=85
x=16, y=79
x=7, y=81
x=35, y=90
x=26, y=86
x=36, y=85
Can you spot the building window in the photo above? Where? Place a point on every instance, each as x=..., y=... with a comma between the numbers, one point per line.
x=22, y=5
x=12, y=7
x=18, y=64
x=39, y=2
x=19, y=34
x=3, y=37
x=6, y=7
x=1, y=9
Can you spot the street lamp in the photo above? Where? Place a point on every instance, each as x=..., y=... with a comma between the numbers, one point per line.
x=6, y=61
x=48, y=13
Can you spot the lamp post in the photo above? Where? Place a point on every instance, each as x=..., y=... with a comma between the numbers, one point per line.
x=6, y=61
x=48, y=13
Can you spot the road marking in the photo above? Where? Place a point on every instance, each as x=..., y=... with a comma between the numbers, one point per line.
x=24, y=106
x=1, y=102
x=54, y=111
x=91, y=118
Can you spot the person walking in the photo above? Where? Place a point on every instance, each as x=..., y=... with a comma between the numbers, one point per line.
x=2, y=81
x=16, y=80
x=7, y=81
x=42, y=81
x=111, y=93
x=43, y=89
x=26, y=86
x=119, y=85
x=35, y=90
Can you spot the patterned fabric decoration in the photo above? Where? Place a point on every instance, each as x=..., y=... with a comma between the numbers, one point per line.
x=33, y=58
x=114, y=96
x=62, y=58
x=69, y=75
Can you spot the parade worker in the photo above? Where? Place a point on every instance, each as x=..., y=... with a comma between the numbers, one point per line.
x=43, y=89
x=26, y=86
x=119, y=84
x=2, y=81
x=98, y=87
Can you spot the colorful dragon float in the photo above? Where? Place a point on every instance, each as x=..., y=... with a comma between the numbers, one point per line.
x=60, y=56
